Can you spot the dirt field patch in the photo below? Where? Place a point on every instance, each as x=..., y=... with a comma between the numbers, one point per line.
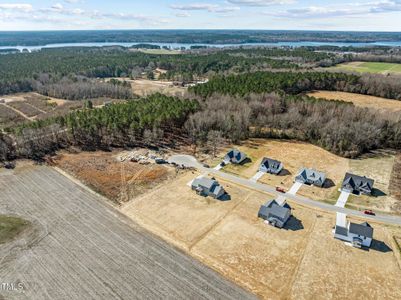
x=143, y=87
x=115, y=180
x=377, y=103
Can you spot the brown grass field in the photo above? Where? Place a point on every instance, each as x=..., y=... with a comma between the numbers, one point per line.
x=302, y=261
x=377, y=103
x=103, y=173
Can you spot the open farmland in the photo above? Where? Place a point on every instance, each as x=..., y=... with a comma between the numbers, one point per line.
x=83, y=249
x=272, y=263
x=377, y=103
x=23, y=107
x=369, y=67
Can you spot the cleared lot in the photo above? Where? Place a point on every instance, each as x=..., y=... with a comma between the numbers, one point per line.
x=82, y=249
x=369, y=67
x=377, y=103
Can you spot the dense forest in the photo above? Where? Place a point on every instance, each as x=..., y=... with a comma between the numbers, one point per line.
x=338, y=127
x=297, y=82
x=190, y=36
x=22, y=72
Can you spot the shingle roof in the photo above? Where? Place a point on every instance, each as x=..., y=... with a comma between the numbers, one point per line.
x=236, y=155
x=357, y=181
x=363, y=229
x=341, y=231
x=271, y=163
x=273, y=208
x=311, y=174
x=204, y=182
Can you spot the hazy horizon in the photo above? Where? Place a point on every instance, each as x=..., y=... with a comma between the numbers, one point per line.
x=47, y=15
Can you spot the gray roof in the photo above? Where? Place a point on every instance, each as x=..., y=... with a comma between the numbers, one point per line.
x=311, y=174
x=204, y=182
x=357, y=181
x=363, y=229
x=236, y=155
x=341, y=231
x=271, y=163
x=273, y=208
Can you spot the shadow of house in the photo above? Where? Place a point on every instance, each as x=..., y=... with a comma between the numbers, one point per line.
x=380, y=246
x=245, y=161
x=293, y=224
x=284, y=172
x=225, y=197
x=328, y=183
x=378, y=193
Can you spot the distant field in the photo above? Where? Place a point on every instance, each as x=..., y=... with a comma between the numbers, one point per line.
x=159, y=51
x=370, y=67
x=382, y=104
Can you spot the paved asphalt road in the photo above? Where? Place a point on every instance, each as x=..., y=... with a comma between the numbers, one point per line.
x=190, y=161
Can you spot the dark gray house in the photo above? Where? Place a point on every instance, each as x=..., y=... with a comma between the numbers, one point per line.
x=357, y=234
x=208, y=187
x=235, y=156
x=271, y=166
x=275, y=214
x=357, y=184
x=311, y=177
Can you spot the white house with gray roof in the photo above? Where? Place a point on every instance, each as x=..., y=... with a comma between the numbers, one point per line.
x=277, y=215
x=271, y=166
x=357, y=234
x=208, y=187
x=311, y=177
x=357, y=185
x=235, y=156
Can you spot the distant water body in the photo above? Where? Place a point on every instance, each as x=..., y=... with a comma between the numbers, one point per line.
x=187, y=46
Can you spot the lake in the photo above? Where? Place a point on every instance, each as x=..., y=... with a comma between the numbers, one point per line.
x=187, y=46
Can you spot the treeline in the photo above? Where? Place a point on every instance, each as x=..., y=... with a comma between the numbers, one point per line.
x=191, y=36
x=83, y=88
x=146, y=122
x=298, y=82
x=339, y=127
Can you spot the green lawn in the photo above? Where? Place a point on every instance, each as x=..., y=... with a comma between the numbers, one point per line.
x=10, y=227
x=370, y=67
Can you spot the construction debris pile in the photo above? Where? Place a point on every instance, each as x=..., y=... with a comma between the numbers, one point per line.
x=143, y=156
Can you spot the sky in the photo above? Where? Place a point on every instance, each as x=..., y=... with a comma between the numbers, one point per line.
x=344, y=15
